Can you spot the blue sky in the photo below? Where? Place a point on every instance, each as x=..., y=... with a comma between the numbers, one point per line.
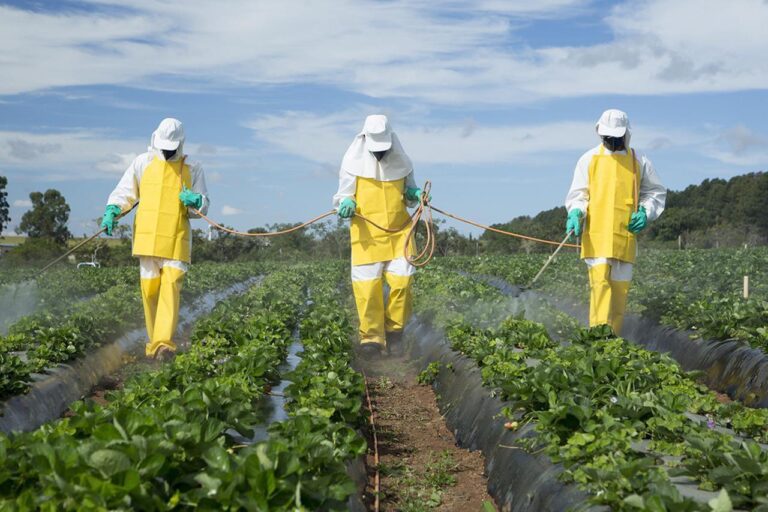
x=494, y=100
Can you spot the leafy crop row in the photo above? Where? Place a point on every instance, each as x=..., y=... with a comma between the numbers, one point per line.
x=52, y=338
x=616, y=416
x=150, y=447
x=699, y=290
x=170, y=440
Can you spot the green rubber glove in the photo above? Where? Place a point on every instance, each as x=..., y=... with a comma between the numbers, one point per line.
x=574, y=221
x=414, y=194
x=639, y=220
x=191, y=199
x=109, y=220
x=347, y=208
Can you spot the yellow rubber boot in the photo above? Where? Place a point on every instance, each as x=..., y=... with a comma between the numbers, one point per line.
x=400, y=302
x=619, y=292
x=150, y=291
x=369, y=298
x=167, y=317
x=600, y=295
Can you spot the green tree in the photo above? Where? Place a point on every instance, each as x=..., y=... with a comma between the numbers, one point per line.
x=47, y=218
x=5, y=218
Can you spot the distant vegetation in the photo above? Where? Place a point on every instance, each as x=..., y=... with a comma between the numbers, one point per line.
x=716, y=213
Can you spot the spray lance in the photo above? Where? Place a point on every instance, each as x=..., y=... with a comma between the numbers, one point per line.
x=84, y=242
x=549, y=260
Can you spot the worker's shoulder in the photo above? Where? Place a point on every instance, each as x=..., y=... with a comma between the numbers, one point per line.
x=142, y=160
x=641, y=156
x=587, y=156
x=194, y=165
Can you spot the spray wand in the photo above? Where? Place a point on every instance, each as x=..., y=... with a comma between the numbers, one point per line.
x=90, y=238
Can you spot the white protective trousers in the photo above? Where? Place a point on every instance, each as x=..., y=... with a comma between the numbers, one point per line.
x=150, y=267
x=398, y=267
x=620, y=270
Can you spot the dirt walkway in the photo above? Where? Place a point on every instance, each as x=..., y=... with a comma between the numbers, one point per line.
x=421, y=468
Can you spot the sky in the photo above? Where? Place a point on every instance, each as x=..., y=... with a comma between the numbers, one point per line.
x=494, y=100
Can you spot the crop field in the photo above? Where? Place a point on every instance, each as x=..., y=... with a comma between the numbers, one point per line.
x=699, y=290
x=266, y=407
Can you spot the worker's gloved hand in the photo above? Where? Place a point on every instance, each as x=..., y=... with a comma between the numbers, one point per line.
x=574, y=222
x=191, y=199
x=638, y=221
x=109, y=220
x=347, y=208
x=414, y=194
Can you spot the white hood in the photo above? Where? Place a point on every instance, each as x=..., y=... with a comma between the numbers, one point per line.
x=358, y=161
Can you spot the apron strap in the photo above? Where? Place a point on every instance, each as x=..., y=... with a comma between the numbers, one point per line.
x=636, y=180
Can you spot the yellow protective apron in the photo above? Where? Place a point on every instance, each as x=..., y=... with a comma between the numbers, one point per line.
x=612, y=190
x=613, y=196
x=162, y=226
x=383, y=203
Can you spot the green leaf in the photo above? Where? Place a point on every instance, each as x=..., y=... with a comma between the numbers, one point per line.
x=109, y=462
x=634, y=500
x=722, y=503
x=217, y=458
x=488, y=506
x=210, y=484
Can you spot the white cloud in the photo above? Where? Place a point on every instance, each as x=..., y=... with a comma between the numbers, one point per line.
x=22, y=203
x=739, y=146
x=91, y=154
x=214, y=177
x=452, y=52
x=231, y=210
x=323, y=139
x=66, y=155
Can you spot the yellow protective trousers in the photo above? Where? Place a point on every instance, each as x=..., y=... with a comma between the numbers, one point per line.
x=377, y=318
x=608, y=298
x=161, y=295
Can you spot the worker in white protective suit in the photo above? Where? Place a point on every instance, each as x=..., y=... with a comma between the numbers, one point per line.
x=167, y=186
x=614, y=194
x=376, y=181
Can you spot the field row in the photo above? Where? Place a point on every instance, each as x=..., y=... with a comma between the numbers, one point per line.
x=697, y=290
x=41, y=340
x=173, y=438
x=627, y=424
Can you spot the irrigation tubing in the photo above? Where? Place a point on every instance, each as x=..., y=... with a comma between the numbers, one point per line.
x=374, y=435
x=416, y=256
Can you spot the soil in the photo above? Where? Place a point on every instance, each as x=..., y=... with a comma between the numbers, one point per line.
x=418, y=454
x=722, y=397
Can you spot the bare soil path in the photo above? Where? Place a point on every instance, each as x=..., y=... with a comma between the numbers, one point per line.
x=421, y=468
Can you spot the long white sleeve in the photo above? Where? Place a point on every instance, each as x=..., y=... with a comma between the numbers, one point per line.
x=126, y=193
x=199, y=186
x=653, y=195
x=347, y=187
x=578, y=195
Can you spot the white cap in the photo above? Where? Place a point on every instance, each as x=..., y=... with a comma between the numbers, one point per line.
x=169, y=135
x=613, y=123
x=378, y=134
